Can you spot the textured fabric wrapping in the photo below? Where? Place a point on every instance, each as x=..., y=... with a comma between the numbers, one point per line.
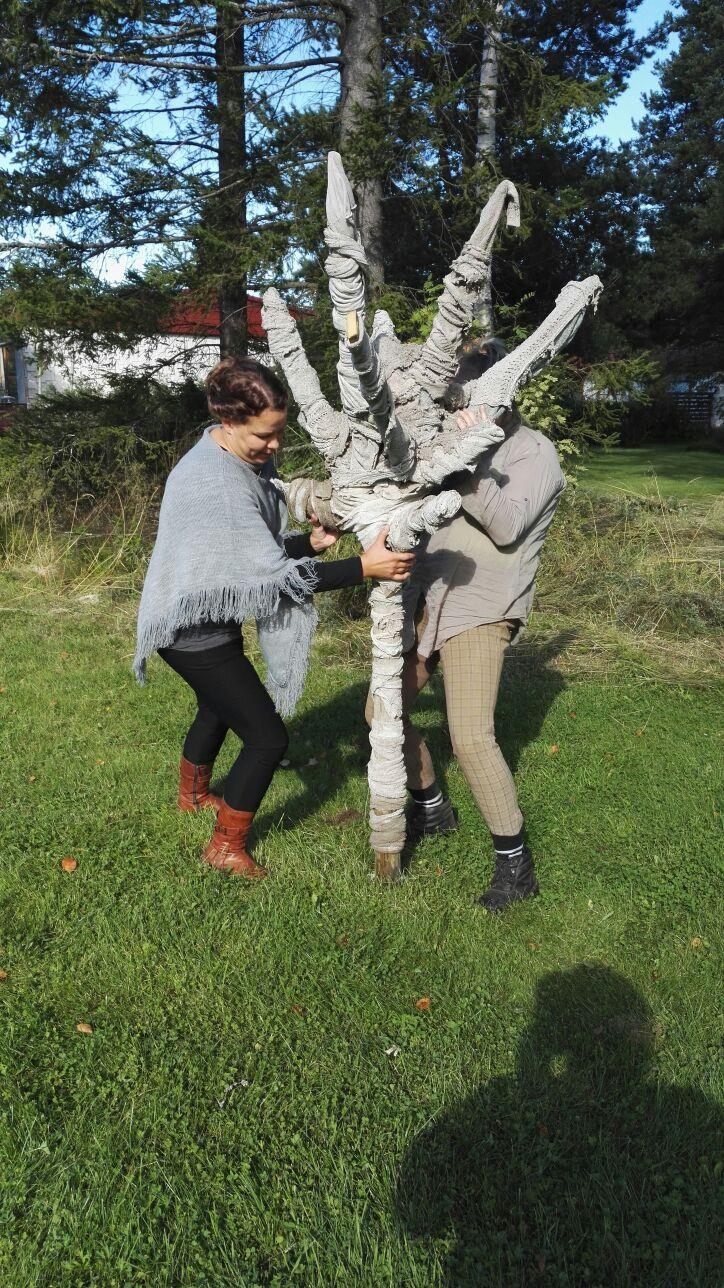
x=439, y=360
x=328, y=429
x=470, y=271
x=361, y=383
x=386, y=771
x=219, y=557
x=499, y=386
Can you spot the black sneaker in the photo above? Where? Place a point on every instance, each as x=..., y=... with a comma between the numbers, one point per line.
x=513, y=879
x=423, y=821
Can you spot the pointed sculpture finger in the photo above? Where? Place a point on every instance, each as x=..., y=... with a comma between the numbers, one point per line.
x=328, y=429
x=438, y=359
x=497, y=388
x=361, y=384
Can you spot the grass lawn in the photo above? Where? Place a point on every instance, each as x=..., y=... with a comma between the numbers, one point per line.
x=321, y=1081
x=696, y=476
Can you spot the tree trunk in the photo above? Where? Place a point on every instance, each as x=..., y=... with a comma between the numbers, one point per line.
x=485, y=140
x=361, y=48
x=234, y=330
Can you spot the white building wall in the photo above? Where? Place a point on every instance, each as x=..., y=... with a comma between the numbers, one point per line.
x=169, y=358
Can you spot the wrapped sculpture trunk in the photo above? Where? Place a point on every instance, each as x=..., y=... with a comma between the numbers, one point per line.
x=392, y=446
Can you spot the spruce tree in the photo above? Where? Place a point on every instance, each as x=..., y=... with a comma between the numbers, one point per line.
x=137, y=130
x=681, y=172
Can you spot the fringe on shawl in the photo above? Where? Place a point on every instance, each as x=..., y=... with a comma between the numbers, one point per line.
x=261, y=600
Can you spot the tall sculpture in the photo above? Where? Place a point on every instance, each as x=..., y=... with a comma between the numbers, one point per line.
x=393, y=445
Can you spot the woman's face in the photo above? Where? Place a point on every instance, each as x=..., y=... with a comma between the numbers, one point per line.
x=258, y=438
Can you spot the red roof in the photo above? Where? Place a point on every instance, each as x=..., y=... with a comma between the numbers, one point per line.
x=191, y=318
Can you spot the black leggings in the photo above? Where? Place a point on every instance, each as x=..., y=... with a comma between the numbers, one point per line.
x=231, y=696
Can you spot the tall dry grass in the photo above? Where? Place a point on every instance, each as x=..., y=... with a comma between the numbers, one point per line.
x=624, y=583
x=78, y=554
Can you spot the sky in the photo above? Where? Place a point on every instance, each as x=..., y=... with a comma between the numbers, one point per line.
x=619, y=123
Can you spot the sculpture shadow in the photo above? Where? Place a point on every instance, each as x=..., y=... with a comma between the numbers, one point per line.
x=335, y=734
x=578, y=1168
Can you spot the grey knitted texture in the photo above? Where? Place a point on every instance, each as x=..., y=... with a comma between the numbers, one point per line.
x=219, y=557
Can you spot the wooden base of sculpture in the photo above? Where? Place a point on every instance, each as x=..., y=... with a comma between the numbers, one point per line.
x=387, y=867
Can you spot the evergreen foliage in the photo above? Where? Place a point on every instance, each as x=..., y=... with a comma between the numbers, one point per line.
x=681, y=168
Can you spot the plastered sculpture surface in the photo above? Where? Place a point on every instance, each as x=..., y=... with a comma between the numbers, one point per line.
x=392, y=445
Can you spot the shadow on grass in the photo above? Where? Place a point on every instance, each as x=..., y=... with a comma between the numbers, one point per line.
x=577, y=1168
x=335, y=732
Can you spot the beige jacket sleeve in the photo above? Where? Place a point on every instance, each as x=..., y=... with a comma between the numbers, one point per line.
x=508, y=506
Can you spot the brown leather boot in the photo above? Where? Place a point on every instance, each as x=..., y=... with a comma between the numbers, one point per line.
x=227, y=848
x=193, y=789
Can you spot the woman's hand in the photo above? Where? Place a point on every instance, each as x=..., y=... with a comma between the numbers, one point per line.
x=384, y=564
x=321, y=538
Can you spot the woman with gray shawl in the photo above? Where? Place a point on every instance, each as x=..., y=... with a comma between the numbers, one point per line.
x=221, y=556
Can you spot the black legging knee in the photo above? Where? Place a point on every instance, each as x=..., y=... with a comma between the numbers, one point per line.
x=230, y=695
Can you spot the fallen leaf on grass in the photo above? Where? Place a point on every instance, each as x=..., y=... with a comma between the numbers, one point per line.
x=638, y=733
x=696, y=942
x=299, y=1010
x=573, y=715
x=32, y=778
x=69, y=864
x=3, y=974
x=346, y=816
x=553, y=750
x=100, y=762
x=64, y=656
x=393, y=1051
x=438, y=872
x=543, y=1130
x=83, y=1028
x=530, y=943
x=422, y=1004
x=343, y=940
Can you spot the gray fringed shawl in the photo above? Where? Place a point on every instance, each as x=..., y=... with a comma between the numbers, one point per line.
x=219, y=557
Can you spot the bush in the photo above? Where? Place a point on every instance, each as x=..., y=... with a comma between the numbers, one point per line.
x=87, y=443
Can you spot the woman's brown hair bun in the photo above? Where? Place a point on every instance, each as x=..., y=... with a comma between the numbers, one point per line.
x=239, y=388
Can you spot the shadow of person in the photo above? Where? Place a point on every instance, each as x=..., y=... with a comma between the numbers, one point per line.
x=579, y=1168
x=529, y=686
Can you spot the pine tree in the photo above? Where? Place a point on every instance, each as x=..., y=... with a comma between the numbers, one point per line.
x=681, y=155
x=555, y=69
x=133, y=129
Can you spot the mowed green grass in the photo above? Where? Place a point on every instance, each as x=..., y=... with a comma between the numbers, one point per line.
x=323, y=1081
x=655, y=470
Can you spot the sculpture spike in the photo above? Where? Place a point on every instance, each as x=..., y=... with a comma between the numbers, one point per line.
x=438, y=360
x=497, y=387
x=361, y=384
x=328, y=429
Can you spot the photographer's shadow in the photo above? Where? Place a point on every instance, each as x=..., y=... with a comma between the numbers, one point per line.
x=577, y=1169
